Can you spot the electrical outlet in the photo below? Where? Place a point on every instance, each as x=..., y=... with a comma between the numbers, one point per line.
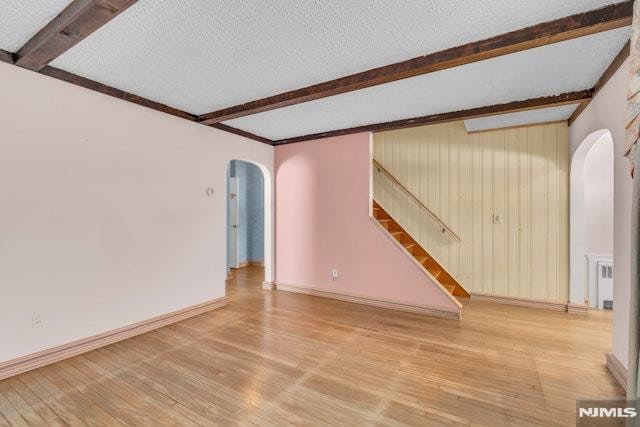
x=497, y=219
x=334, y=274
x=36, y=320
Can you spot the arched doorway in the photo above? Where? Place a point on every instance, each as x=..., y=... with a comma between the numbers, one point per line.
x=591, y=221
x=250, y=187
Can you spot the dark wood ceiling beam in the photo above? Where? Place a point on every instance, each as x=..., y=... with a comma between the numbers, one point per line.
x=77, y=21
x=126, y=96
x=582, y=24
x=6, y=56
x=68, y=77
x=111, y=91
x=241, y=132
x=511, y=107
x=608, y=73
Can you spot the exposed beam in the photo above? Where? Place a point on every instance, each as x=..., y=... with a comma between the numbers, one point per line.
x=582, y=24
x=241, y=132
x=68, y=77
x=511, y=107
x=77, y=21
x=608, y=73
x=6, y=56
x=111, y=91
x=126, y=96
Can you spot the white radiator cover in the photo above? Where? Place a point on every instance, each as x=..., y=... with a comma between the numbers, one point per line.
x=599, y=288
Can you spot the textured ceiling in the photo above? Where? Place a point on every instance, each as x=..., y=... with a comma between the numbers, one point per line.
x=201, y=55
x=22, y=19
x=562, y=67
x=543, y=115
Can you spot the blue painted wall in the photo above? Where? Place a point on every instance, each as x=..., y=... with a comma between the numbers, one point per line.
x=251, y=211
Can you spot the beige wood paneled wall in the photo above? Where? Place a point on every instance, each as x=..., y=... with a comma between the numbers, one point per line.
x=504, y=192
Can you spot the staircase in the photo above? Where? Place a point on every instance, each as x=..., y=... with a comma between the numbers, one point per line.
x=432, y=266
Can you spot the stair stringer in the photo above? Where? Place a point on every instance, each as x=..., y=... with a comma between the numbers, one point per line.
x=417, y=265
x=460, y=290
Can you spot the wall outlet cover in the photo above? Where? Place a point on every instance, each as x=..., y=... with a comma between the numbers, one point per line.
x=36, y=320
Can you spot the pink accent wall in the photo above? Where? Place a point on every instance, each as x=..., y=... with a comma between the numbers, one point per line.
x=322, y=222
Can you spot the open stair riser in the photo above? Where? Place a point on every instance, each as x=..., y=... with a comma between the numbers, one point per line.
x=418, y=252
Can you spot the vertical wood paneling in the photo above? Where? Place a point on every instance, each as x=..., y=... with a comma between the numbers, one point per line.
x=478, y=270
x=498, y=190
x=520, y=174
x=486, y=178
x=524, y=196
x=538, y=246
x=550, y=141
x=464, y=174
x=562, y=154
x=512, y=221
x=454, y=194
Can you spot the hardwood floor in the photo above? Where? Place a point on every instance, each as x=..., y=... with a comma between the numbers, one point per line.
x=277, y=358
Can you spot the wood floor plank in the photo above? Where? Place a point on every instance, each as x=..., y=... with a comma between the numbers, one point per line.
x=65, y=408
x=126, y=373
x=142, y=402
x=10, y=413
x=102, y=397
x=276, y=358
x=98, y=417
x=27, y=412
x=39, y=407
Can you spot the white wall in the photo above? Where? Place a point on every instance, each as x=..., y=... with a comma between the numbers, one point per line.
x=598, y=197
x=607, y=111
x=104, y=216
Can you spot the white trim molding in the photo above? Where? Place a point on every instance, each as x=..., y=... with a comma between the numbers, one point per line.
x=577, y=308
x=523, y=302
x=269, y=286
x=65, y=351
x=249, y=263
x=374, y=302
x=617, y=369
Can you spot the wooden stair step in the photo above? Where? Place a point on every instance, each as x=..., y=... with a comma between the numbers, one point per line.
x=431, y=265
x=434, y=272
x=449, y=286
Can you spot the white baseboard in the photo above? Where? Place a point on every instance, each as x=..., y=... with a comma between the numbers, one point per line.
x=248, y=263
x=524, y=302
x=617, y=369
x=381, y=303
x=55, y=354
x=270, y=286
x=577, y=308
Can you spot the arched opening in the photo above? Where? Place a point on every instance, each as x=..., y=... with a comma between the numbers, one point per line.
x=249, y=217
x=591, y=222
